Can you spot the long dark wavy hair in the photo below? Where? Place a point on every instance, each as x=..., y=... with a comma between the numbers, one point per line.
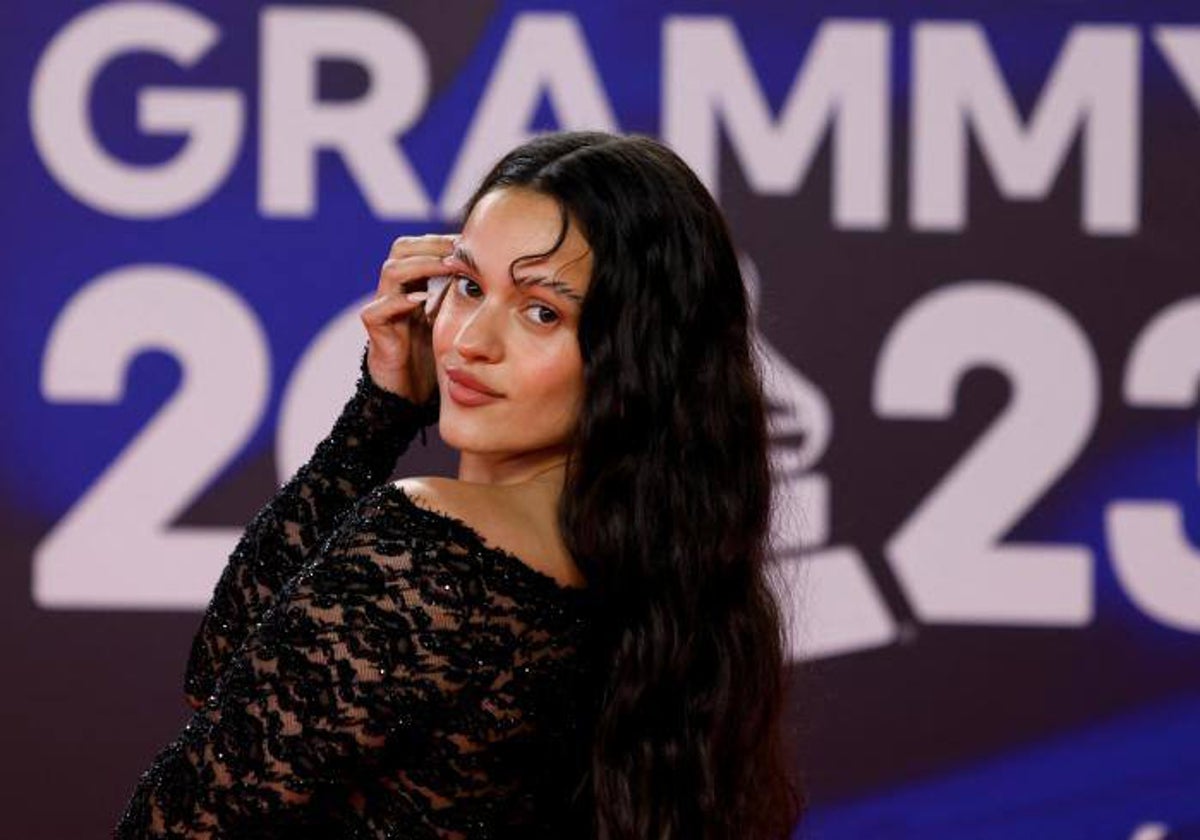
x=666, y=505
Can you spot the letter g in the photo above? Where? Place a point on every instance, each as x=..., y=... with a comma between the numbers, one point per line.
x=211, y=119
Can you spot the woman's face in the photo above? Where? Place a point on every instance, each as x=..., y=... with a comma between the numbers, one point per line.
x=517, y=339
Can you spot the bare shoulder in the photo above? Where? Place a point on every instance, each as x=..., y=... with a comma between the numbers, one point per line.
x=500, y=520
x=450, y=496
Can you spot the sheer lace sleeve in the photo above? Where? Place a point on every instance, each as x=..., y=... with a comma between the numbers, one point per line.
x=361, y=654
x=374, y=428
x=409, y=681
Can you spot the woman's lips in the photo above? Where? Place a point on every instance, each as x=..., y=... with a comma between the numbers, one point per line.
x=464, y=394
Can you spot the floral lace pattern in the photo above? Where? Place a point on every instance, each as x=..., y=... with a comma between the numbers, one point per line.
x=368, y=667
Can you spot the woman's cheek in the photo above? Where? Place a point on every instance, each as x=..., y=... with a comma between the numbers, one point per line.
x=561, y=373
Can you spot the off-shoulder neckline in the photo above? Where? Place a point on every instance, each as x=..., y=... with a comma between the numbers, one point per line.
x=462, y=529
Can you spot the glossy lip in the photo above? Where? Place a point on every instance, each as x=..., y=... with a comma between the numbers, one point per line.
x=464, y=378
x=468, y=390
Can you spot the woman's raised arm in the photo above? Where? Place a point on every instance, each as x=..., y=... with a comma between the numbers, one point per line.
x=374, y=428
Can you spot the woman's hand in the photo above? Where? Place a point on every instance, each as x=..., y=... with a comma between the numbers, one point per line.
x=400, y=336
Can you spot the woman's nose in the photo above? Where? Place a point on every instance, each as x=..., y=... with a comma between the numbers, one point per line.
x=479, y=335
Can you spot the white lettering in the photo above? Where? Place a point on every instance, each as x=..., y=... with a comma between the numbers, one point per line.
x=1092, y=90
x=843, y=83
x=544, y=53
x=60, y=98
x=295, y=125
x=1180, y=45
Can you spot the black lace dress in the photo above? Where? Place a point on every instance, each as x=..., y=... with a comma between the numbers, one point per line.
x=370, y=667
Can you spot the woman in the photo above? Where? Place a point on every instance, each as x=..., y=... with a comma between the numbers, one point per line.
x=575, y=638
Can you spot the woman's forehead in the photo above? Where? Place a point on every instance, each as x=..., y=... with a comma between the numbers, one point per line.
x=515, y=211
x=516, y=225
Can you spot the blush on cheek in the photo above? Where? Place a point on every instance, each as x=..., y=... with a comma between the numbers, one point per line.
x=561, y=393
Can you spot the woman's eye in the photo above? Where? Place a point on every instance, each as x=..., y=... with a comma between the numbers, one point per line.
x=540, y=320
x=458, y=281
x=467, y=287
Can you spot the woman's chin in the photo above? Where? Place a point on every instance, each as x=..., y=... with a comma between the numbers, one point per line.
x=466, y=436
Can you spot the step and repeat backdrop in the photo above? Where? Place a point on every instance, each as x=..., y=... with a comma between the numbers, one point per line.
x=970, y=232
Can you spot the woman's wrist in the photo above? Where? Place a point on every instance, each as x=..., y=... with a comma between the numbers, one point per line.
x=393, y=403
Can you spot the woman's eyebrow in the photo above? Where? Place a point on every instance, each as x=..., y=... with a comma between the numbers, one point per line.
x=463, y=255
x=557, y=286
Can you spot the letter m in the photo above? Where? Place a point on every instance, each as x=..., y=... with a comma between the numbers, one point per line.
x=1092, y=91
x=841, y=88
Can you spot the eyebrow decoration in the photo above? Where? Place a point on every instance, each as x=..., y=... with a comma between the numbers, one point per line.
x=557, y=286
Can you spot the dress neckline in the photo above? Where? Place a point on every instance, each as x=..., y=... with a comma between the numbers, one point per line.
x=506, y=557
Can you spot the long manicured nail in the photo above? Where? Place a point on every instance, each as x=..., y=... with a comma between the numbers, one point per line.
x=417, y=297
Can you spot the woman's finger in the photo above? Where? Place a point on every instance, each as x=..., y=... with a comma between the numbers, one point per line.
x=400, y=356
x=387, y=308
x=394, y=274
x=431, y=244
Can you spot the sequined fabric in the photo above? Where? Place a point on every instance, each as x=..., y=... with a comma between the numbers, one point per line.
x=369, y=667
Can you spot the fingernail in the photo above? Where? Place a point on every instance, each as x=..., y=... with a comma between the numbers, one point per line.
x=417, y=297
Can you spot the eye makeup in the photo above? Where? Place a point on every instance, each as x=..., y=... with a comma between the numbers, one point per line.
x=558, y=287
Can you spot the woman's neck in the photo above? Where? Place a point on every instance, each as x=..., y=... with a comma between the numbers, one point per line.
x=542, y=471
